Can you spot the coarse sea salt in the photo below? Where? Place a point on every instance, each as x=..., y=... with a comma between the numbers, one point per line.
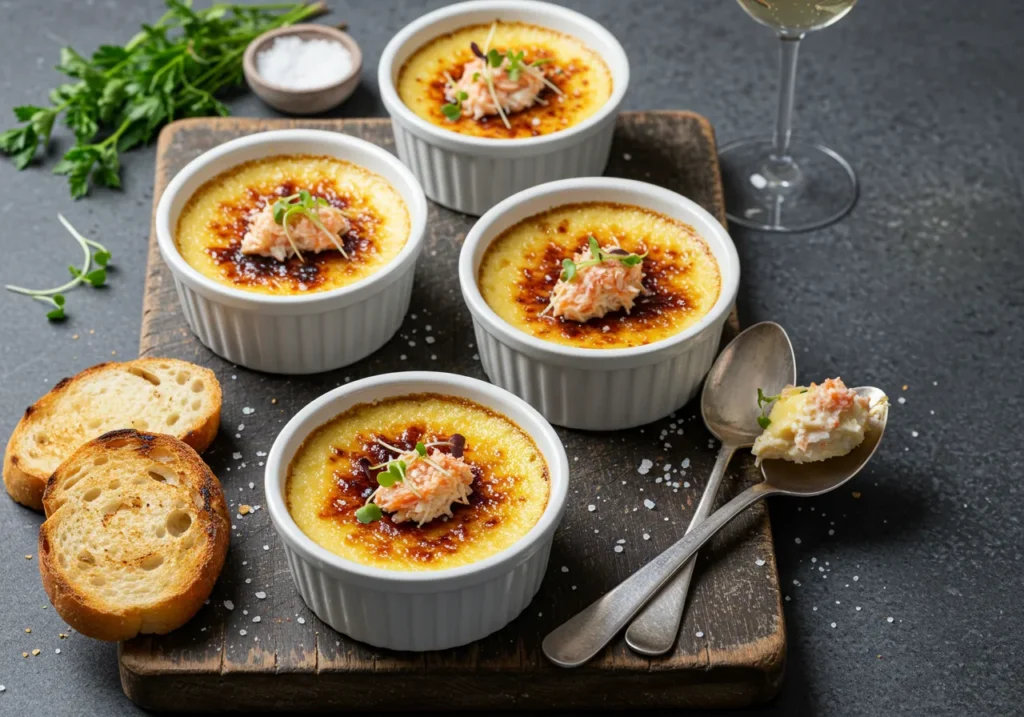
x=300, y=64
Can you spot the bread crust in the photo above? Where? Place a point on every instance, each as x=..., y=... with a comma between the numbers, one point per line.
x=26, y=486
x=96, y=617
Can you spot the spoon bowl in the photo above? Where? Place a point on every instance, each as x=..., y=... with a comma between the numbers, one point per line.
x=811, y=479
x=760, y=357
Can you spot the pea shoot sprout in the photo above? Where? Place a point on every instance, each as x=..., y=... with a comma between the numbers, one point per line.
x=54, y=298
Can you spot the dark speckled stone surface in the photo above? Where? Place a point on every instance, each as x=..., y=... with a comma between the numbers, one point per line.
x=921, y=286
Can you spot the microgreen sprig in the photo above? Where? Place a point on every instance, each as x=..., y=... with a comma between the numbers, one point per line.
x=96, y=277
x=453, y=110
x=571, y=268
x=303, y=204
x=763, y=402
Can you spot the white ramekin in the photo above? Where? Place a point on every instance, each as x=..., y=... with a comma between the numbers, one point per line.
x=429, y=610
x=314, y=332
x=472, y=174
x=598, y=389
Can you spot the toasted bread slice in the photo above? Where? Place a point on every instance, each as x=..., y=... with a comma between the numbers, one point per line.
x=135, y=535
x=151, y=394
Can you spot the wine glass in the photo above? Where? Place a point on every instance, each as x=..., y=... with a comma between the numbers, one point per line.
x=776, y=184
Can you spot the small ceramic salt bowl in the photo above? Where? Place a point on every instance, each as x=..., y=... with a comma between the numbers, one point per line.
x=302, y=101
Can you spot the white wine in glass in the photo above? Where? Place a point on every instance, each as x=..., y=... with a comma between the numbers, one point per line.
x=796, y=16
x=777, y=184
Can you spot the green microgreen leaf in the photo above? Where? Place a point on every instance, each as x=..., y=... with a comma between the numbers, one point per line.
x=763, y=403
x=541, y=61
x=421, y=448
x=462, y=95
x=369, y=513
x=568, y=270
x=595, y=248
x=102, y=257
x=452, y=111
x=494, y=58
x=57, y=302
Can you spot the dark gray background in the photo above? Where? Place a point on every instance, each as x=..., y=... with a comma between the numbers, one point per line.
x=920, y=287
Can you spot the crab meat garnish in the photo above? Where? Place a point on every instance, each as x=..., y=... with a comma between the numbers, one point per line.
x=597, y=290
x=429, y=489
x=513, y=95
x=268, y=238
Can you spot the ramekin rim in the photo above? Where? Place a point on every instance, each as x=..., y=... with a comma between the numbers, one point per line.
x=294, y=432
x=481, y=310
x=398, y=110
x=416, y=205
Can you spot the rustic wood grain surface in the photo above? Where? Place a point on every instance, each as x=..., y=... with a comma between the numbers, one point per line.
x=731, y=648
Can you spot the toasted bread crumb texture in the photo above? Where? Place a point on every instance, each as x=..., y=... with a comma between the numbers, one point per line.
x=135, y=536
x=164, y=395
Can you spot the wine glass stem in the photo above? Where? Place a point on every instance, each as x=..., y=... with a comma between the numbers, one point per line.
x=787, y=89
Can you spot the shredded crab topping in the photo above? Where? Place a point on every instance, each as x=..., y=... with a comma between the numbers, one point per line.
x=597, y=289
x=495, y=84
x=266, y=237
x=431, y=485
x=479, y=101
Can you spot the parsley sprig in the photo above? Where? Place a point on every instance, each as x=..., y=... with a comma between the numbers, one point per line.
x=97, y=277
x=571, y=268
x=303, y=204
x=121, y=96
x=396, y=471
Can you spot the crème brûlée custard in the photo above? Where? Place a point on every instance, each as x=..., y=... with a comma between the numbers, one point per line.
x=292, y=224
x=505, y=80
x=417, y=482
x=600, y=275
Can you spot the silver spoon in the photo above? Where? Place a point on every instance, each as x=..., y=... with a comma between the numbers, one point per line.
x=583, y=636
x=760, y=357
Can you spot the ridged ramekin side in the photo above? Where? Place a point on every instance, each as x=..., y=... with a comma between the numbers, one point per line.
x=418, y=621
x=473, y=182
x=597, y=398
x=298, y=343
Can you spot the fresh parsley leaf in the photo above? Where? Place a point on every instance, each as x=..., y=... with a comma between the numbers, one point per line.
x=123, y=95
x=369, y=513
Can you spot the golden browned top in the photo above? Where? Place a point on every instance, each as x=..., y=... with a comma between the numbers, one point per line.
x=579, y=73
x=327, y=483
x=521, y=266
x=216, y=218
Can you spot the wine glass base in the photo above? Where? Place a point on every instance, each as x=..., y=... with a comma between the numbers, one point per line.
x=810, y=188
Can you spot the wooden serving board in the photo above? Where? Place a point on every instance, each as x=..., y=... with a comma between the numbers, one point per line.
x=732, y=643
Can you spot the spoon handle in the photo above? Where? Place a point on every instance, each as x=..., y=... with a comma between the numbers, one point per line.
x=582, y=636
x=654, y=631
